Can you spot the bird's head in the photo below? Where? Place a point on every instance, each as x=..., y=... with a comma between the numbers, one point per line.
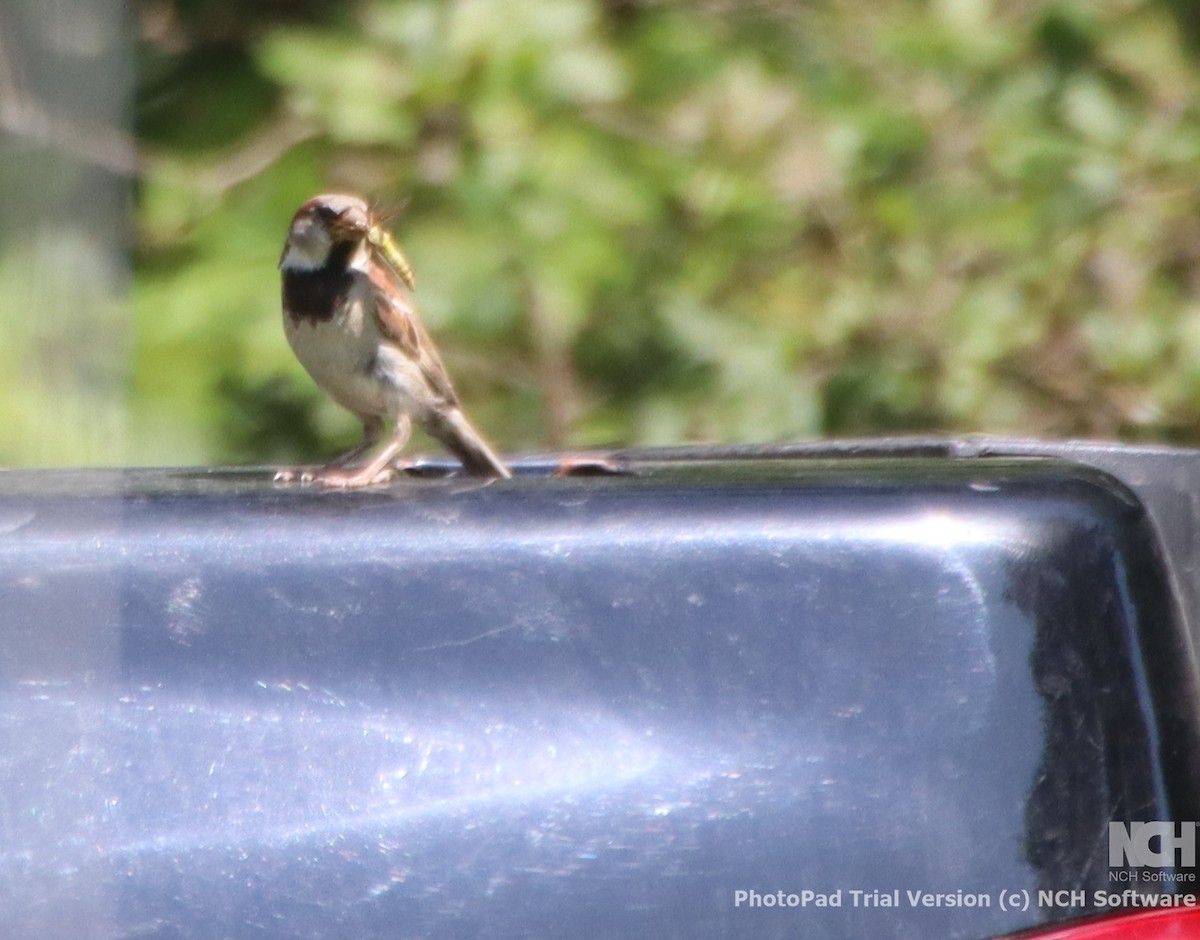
x=324, y=227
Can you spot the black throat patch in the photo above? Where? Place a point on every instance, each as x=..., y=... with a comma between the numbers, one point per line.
x=316, y=295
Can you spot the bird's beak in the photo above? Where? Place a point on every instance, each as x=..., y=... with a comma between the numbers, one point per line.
x=347, y=225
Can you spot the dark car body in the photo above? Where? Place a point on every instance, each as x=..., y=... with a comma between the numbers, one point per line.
x=877, y=689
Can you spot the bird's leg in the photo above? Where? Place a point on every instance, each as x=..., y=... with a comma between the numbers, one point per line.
x=372, y=432
x=377, y=471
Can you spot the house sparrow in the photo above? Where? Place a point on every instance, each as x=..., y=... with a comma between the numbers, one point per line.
x=355, y=331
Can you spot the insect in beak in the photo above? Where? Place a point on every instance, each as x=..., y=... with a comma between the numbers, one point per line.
x=384, y=247
x=388, y=251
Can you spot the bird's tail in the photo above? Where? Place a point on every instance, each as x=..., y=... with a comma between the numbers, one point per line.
x=452, y=428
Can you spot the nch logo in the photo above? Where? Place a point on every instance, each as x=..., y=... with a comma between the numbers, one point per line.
x=1152, y=844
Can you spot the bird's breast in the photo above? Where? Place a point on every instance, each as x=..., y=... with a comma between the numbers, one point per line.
x=340, y=351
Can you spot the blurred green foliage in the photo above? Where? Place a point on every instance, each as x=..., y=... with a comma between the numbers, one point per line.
x=651, y=222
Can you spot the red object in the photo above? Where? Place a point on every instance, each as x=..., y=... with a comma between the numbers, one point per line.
x=1176, y=923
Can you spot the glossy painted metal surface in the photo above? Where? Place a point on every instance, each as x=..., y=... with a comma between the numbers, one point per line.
x=590, y=707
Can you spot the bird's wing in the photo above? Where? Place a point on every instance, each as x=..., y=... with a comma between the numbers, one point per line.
x=398, y=322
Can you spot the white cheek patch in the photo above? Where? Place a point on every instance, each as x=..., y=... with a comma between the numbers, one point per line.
x=307, y=251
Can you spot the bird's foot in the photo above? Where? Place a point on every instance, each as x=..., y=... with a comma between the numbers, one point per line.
x=334, y=478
